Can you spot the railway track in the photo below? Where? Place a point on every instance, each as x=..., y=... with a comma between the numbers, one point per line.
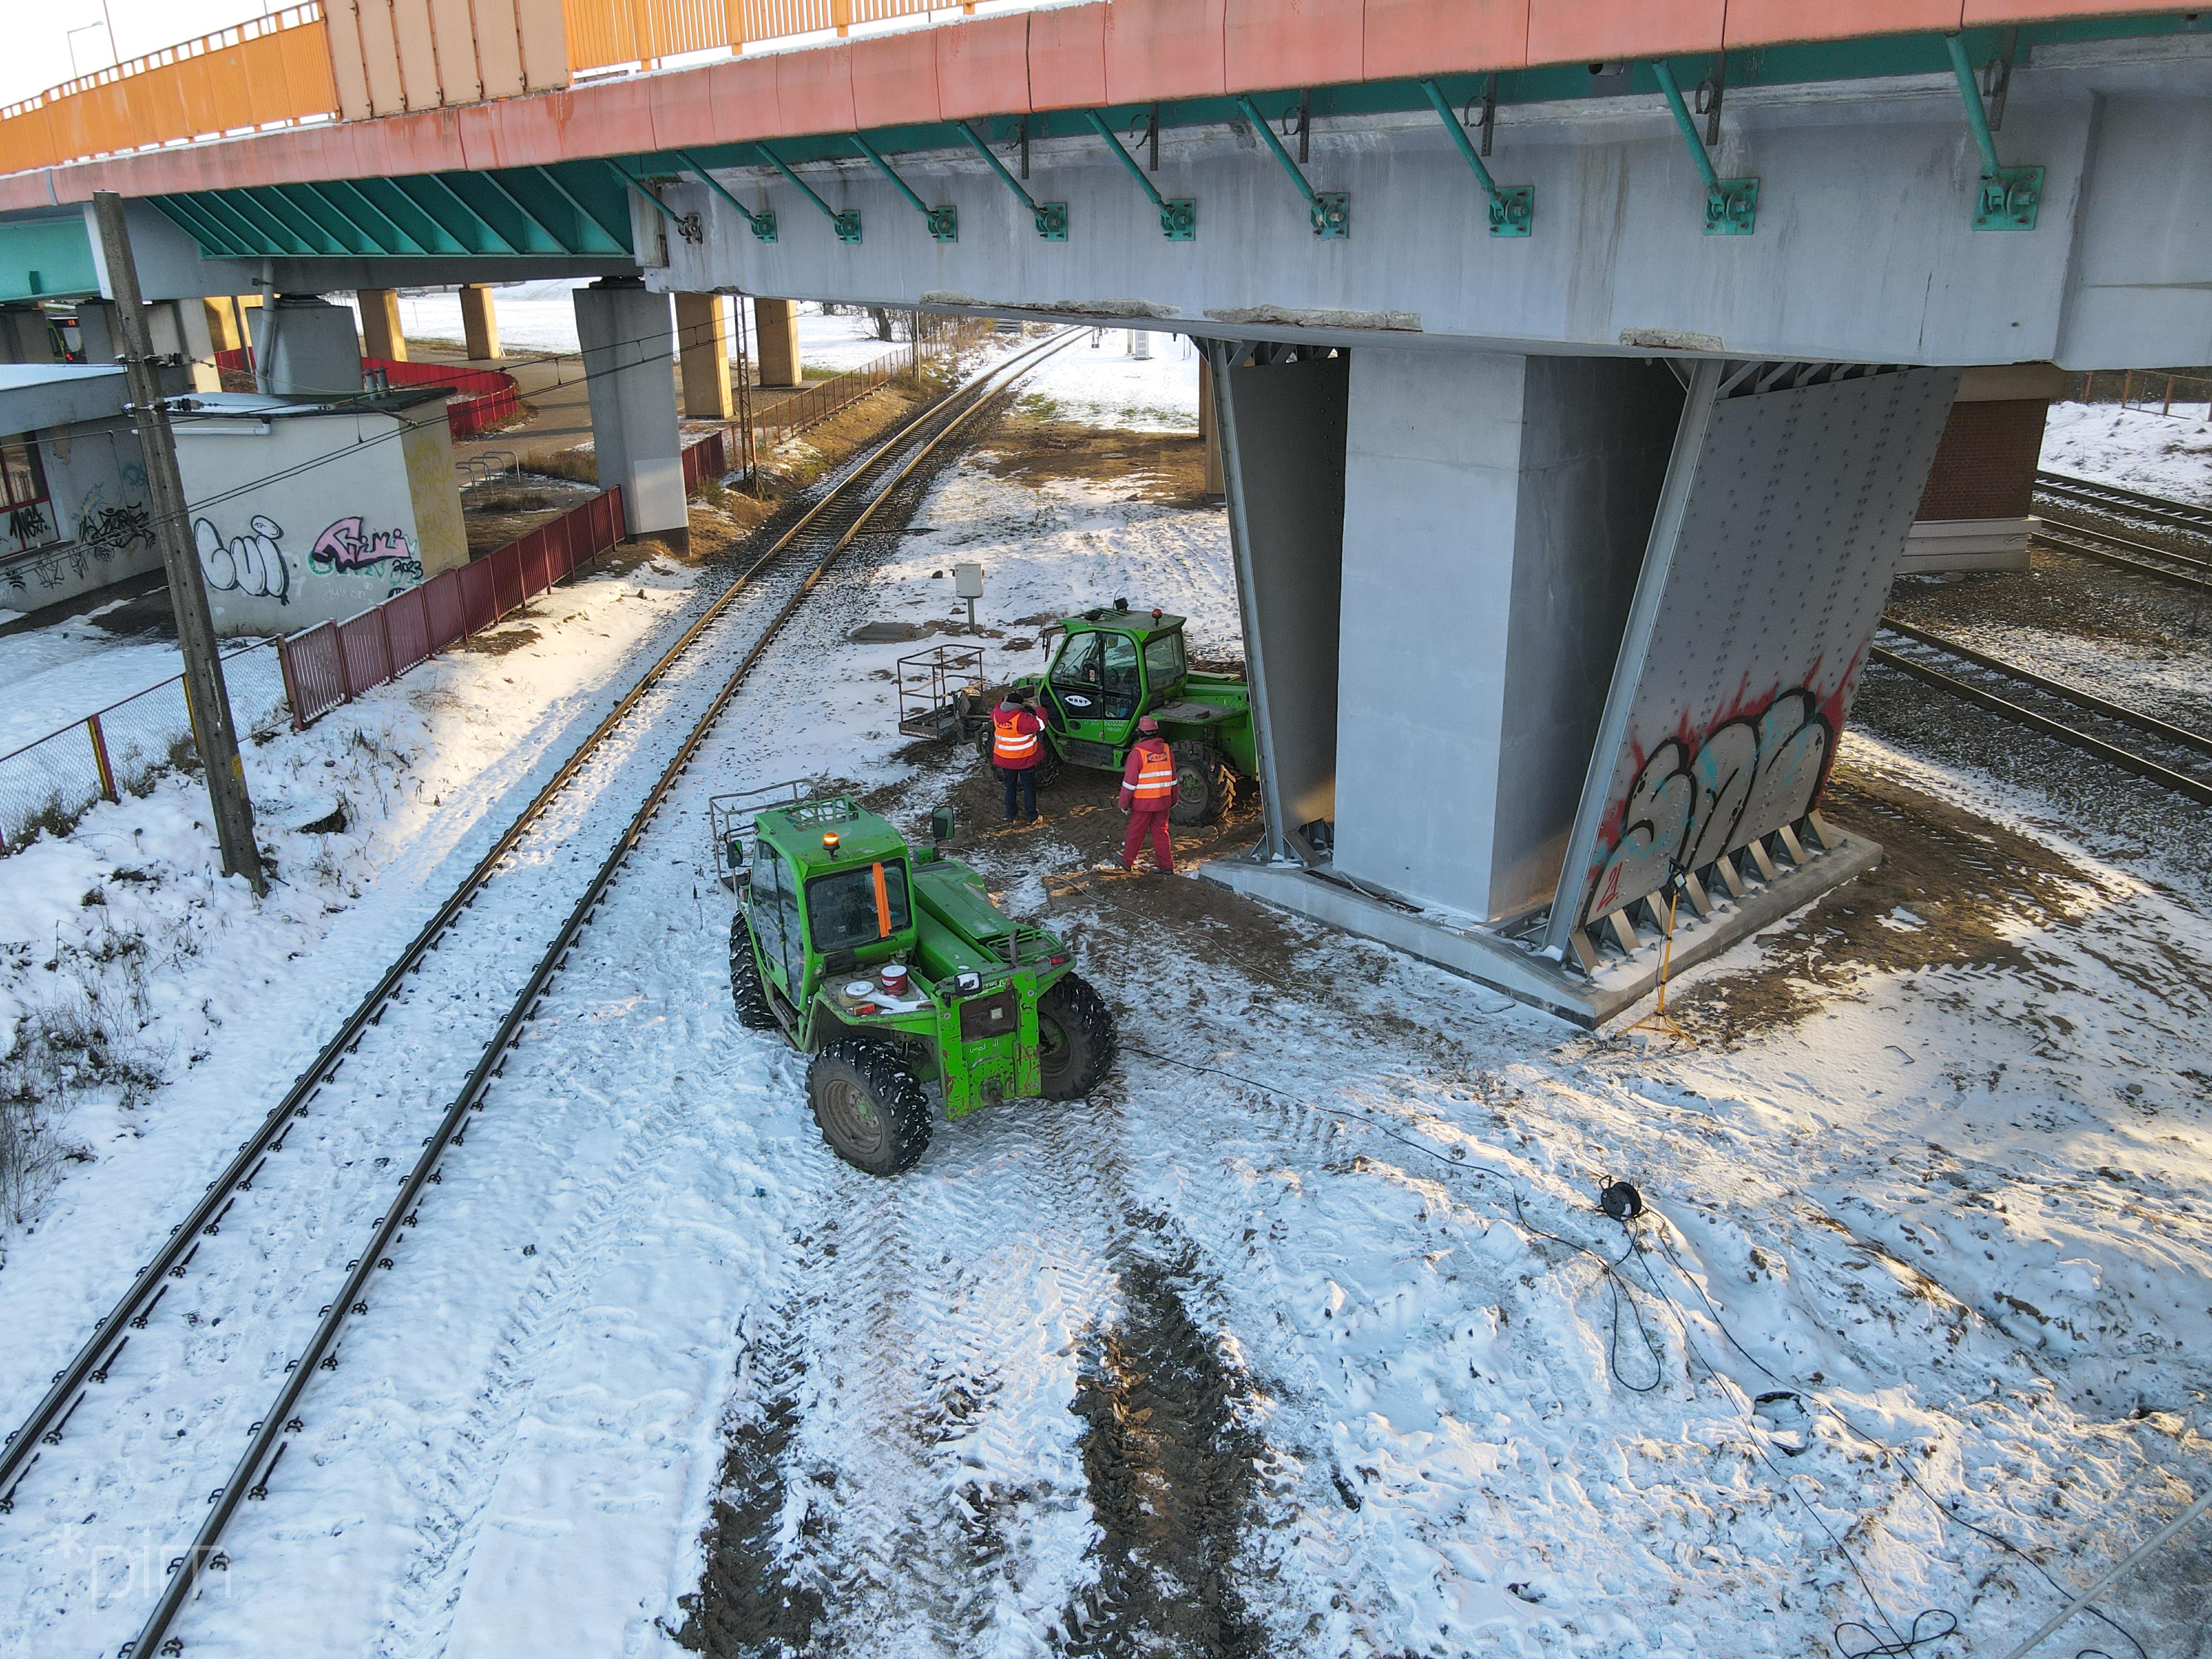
x=2165, y=754
x=2115, y=502
x=2084, y=540
x=457, y=994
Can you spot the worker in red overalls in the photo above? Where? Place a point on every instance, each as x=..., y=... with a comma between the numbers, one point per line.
x=1016, y=746
x=1148, y=788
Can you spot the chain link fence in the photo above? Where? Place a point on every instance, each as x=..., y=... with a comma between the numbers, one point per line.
x=49, y=785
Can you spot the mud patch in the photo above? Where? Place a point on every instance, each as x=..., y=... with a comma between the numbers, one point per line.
x=1952, y=890
x=1169, y=1460
x=1166, y=467
x=749, y=1605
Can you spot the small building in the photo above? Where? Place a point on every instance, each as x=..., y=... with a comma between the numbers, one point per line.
x=305, y=511
x=75, y=516
x=1977, y=511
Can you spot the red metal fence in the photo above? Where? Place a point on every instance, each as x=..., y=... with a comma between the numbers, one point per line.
x=336, y=662
x=703, y=460
x=488, y=397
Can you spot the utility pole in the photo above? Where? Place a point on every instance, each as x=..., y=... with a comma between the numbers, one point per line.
x=204, y=695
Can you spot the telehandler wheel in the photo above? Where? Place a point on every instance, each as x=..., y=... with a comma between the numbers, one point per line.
x=1201, y=781
x=870, y=1108
x=745, y=987
x=1075, y=1038
x=1049, y=764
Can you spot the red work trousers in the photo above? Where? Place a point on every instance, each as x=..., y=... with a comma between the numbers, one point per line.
x=1155, y=823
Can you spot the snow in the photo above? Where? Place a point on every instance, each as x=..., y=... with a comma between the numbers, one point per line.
x=1101, y=382
x=1959, y=1214
x=54, y=677
x=2140, y=449
x=541, y=317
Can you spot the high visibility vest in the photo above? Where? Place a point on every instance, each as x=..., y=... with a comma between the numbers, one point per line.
x=1010, y=746
x=1156, y=778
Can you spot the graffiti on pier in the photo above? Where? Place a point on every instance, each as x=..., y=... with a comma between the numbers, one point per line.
x=345, y=548
x=251, y=565
x=1697, y=798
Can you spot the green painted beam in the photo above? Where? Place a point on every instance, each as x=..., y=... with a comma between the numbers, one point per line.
x=40, y=257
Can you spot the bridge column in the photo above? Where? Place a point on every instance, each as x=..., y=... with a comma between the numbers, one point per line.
x=627, y=343
x=479, y=323
x=776, y=324
x=1577, y=630
x=25, y=336
x=305, y=346
x=702, y=337
x=379, y=325
x=179, y=328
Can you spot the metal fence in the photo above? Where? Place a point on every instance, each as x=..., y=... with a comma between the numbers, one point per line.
x=52, y=783
x=2155, y=390
x=337, y=661
x=488, y=397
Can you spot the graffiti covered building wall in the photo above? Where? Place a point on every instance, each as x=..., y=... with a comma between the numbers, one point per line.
x=305, y=514
x=1746, y=641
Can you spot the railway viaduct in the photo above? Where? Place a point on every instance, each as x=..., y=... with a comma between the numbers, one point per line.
x=1579, y=363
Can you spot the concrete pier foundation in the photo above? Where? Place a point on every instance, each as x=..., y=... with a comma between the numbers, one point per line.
x=305, y=346
x=381, y=334
x=628, y=342
x=776, y=323
x=1640, y=594
x=702, y=341
x=179, y=328
x=479, y=322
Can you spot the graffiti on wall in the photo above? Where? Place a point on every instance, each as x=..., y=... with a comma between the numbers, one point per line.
x=1697, y=796
x=345, y=548
x=251, y=564
x=255, y=565
x=109, y=529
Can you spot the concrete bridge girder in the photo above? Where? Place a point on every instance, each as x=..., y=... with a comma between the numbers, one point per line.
x=1864, y=249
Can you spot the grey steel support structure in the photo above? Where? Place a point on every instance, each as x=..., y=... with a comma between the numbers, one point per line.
x=205, y=695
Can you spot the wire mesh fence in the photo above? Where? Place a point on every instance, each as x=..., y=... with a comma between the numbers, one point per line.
x=119, y=751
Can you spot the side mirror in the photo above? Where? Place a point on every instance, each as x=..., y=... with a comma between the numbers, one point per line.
x=940, y=826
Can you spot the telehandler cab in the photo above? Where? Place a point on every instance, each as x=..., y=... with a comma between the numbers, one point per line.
x=896, y=972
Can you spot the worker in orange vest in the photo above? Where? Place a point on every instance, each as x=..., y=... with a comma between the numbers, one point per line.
x=1016, y=746
x=1148, y=789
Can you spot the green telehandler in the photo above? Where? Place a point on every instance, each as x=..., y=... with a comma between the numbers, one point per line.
x=1114, y=666
x=895, y=971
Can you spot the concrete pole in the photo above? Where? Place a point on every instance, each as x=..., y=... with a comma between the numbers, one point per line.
x=479, y=323
x=205, y=694
x=776, y=323
x=702, y=337
x=379, y=325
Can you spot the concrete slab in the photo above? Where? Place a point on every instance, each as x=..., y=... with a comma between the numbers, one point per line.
x=1490, y=957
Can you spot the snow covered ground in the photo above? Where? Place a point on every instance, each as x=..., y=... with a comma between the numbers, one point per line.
x=541, y=317
x=2162, y=454
x=1304, y=1335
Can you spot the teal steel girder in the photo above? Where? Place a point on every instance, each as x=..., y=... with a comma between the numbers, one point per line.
x=2007, y=198
x=847, y=223
x=1330, y=212
x=1050, y=218
x=1513, y=208
x=1731, y=204
x=761, y=223
x=944, y=221
x=1178, y=213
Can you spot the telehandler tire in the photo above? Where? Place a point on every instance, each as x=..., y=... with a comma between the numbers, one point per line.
x=1049, y=766
x=871, y=1109
x=745, y=987
x=1201, y=781
x=1076, y=1041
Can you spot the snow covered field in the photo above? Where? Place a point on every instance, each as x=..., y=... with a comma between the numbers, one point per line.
x=1304, y=1335
x=541, y=317
x=2162, y=454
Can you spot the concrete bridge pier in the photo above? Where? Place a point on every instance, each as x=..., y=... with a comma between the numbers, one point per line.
x=702, y=337
x=179, y=328
x=1640, y=593
x=628, y=345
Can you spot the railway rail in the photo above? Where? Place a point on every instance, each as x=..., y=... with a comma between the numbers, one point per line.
x=750, y=613
x=2149, y=748
x=2113, y=500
